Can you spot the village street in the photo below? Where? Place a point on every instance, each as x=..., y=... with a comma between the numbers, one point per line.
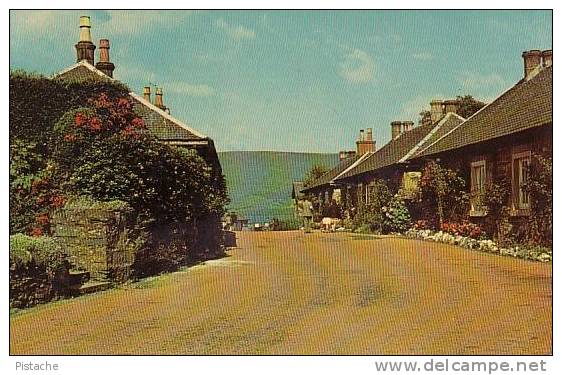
x=291, y=293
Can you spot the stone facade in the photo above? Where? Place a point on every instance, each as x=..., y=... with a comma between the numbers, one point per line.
x=96, y=240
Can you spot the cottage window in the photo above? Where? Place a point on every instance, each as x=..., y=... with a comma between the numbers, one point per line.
x=477, y=187
x=520, y=169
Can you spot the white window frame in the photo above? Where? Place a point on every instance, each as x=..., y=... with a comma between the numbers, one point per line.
x=477, y=211
x=519, y=206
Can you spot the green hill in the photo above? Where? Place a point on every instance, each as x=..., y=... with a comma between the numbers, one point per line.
x=260, y=182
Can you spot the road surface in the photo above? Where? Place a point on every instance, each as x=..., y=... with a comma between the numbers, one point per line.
x=296, y=293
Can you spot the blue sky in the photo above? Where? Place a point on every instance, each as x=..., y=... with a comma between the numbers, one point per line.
x=294, y=80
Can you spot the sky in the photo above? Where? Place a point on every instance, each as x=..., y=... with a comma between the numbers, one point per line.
x=301, y=81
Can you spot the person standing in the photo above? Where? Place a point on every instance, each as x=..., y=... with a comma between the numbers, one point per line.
x=306, y=214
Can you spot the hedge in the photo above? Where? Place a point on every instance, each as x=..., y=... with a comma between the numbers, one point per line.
x=38, y=270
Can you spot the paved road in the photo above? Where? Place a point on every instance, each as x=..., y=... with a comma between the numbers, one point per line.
x=291, y=293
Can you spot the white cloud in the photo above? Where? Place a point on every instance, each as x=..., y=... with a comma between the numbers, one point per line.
x=357, y=67
x=475, y=81
x=235, y=32
x=423, y=56
x=186, y=88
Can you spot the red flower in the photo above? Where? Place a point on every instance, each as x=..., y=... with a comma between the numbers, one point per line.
x=95, y=124
x=36, y=232
x=42, y=219
x=58, y=201
x=79, y=120
x=137, y=122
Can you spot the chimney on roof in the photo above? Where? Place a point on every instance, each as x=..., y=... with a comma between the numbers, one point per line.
x=85, y=48
x=395, y=128
x=158, y=99
x=146, y=94
x=367, y=144
x=547, y=58
x=407, y=126
x=531, y=60
x=436, y=110
x=346, y=154
x=451, y=106
x=104, y=64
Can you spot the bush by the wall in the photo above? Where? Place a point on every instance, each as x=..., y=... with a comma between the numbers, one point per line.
x=38, y=270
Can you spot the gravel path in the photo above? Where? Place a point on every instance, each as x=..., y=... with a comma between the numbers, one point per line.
x=291, y=293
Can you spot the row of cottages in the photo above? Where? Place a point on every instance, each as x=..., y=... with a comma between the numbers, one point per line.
x=494, y=143
x=348, y=183
x=155, y=114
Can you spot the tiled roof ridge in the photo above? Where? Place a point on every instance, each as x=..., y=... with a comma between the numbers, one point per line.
x=363, y=157
x=166, y=115
x=140, y=99
x=508, y=90
x=87, y=65
x=428, y=136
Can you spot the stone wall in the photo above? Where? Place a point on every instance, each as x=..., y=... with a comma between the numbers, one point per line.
x=97, y=240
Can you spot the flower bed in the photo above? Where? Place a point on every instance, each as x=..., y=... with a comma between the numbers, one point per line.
x=537, y=253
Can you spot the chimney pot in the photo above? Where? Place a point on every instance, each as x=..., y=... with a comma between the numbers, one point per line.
x=346, y=154
x=158, y=99
x=85, y=48
x=85, y=27
x=146, y=93
x=104, y=64
x=367, y=144
x=547, y=58
x=531, y=59
x=408, y=125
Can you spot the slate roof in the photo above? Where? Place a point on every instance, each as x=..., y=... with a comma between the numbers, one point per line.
x=526, y=105
x=327, y=177
x=160, y=123
x=404, y=146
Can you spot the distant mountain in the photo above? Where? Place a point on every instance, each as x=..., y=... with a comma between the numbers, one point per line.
x=260, y=182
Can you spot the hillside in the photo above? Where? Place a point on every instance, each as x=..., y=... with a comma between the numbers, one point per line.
x=260, y=182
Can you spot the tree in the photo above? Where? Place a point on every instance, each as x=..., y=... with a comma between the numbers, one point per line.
x=443, y=192
x=425, y=117
x=468, y=106
x=315, y=173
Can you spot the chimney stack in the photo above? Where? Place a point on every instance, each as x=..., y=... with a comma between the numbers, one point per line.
x=531, y=59
x=104, y=64
x=396, y=128
x=85, y=48
x=436, y=110
x=451, y=106
x=146, y=94
x=407, y=126
x=346, y=154
x=547, y=58
x=158, y=100
x=367, y=144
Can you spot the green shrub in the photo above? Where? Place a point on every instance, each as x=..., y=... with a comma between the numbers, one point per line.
x=27, y=251
x=84, y=139
x=443, y=194
x=38, y=270
x=396, y=216
x=372, y=215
